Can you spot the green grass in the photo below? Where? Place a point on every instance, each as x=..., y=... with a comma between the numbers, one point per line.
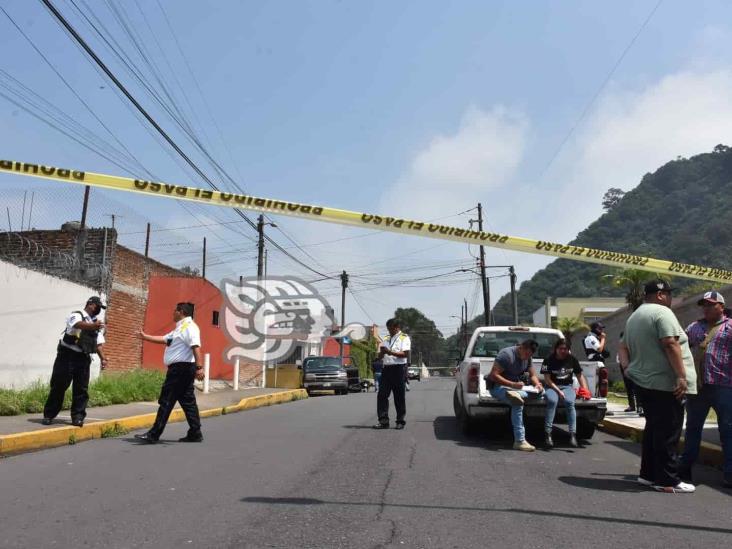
x=110, y=388
x=115, y=430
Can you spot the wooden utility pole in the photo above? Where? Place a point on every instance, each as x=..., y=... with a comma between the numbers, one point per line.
x=203, y=273
x=147, y=240
x=85, y=206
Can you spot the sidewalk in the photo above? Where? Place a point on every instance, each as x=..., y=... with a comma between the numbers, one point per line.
x=629, y=425
x=25, y=432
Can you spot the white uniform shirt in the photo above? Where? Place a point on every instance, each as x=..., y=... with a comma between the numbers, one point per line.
x=179, y=341
x=73, y=318
x=399, y=342
x=592, y=342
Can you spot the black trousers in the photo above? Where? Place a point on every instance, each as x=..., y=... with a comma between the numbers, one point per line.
x=69, y=367
x=392, y=381
x=178, y=387
x=630, y=389
x=664, y=421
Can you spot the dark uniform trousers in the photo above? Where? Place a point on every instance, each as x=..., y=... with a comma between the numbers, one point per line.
x=69, y=367
x=664, y=421
x=178, y=387
x=392, y=380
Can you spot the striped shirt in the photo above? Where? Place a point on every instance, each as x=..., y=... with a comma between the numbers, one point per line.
x=718, y=357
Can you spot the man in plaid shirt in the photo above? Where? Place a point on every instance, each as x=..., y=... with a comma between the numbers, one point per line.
x=710, y=339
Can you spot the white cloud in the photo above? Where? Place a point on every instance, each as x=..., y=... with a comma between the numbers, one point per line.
x=452, y=170
x=633, y=133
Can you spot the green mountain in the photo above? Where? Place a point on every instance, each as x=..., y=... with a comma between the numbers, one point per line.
x=680, y=212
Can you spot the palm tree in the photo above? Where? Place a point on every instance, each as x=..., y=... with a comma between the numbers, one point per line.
x=570, y=326
x=632, y=281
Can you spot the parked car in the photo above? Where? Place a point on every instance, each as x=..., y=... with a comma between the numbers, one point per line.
x=323, y=373
x=474, y=405
x=414, y=372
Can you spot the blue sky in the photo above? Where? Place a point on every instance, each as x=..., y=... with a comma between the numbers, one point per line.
x=412, y=108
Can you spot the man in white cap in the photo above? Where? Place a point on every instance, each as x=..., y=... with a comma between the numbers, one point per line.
x=710, y=339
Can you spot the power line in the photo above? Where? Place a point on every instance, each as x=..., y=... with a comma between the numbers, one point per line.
x=157, y=127
x=589, y=105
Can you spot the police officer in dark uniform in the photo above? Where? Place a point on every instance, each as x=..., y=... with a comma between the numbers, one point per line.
x=73, y=357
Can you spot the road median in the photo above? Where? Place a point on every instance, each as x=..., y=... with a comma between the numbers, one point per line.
x=16, y=443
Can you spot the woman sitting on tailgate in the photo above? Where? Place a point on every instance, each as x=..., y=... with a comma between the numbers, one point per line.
x=558, y=369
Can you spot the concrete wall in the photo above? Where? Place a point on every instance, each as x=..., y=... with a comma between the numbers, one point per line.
x=34, y=310
x=131, y=273
x=686, y=310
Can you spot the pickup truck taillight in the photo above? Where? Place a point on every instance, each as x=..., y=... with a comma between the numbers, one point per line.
x=473, y=375
x=602, y=382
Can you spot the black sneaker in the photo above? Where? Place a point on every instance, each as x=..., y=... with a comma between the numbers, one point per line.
x=77, y=422
x=573, y=440
x=381, y=426
x=46, y=421
x=548, y=442
x=400, y=426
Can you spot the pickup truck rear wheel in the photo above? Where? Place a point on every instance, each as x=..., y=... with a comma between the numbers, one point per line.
x=585, y=429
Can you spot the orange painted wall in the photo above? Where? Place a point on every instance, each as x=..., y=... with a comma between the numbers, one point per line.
x=164, y=292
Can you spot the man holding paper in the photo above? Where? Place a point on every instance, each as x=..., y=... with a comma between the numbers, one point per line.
x=394, y=355
x=505, y=384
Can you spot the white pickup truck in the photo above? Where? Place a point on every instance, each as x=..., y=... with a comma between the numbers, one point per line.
x=475, y=407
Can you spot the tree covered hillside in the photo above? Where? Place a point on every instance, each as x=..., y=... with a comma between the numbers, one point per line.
x=681, y=212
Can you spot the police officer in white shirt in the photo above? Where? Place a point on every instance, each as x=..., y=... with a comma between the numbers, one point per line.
x=82, y=338
x=183, y=359
x=394, y=355
x=594, y=343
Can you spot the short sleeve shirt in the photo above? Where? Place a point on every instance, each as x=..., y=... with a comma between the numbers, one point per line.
x=399, y=342
x=512, y=365
x=717, y=362
x=649, y=366
x=561, y=371
x=591, y=342
x=71, y=321
x=180, y=342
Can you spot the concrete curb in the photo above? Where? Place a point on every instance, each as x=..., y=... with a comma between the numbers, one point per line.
x=61, y=436
x=709, y=454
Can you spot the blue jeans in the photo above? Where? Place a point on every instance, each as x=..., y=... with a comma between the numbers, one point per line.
x=697, y=408
x=517, y=412
x=552, y=401
x=377, y=379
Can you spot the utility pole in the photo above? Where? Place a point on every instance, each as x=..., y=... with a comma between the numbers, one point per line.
x=85, y=206
x=260, y=247
x=514, y=302
x=483, y=278
x=147, y=240
x=465, y=332
x=344, y=285
x=203, y=274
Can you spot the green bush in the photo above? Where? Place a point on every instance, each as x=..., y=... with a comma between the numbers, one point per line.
x=110, y=388
x=617, y=387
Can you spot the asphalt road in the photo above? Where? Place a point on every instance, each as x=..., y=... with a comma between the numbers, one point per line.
x=314, y=474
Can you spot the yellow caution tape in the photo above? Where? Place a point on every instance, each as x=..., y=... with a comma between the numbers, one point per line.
x=368, y=221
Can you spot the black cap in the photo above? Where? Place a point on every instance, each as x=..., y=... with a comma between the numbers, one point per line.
x=597, y=326
x=657, y=286
x=97, y=301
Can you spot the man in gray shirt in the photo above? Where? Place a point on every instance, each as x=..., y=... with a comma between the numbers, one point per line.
x=511, y=363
